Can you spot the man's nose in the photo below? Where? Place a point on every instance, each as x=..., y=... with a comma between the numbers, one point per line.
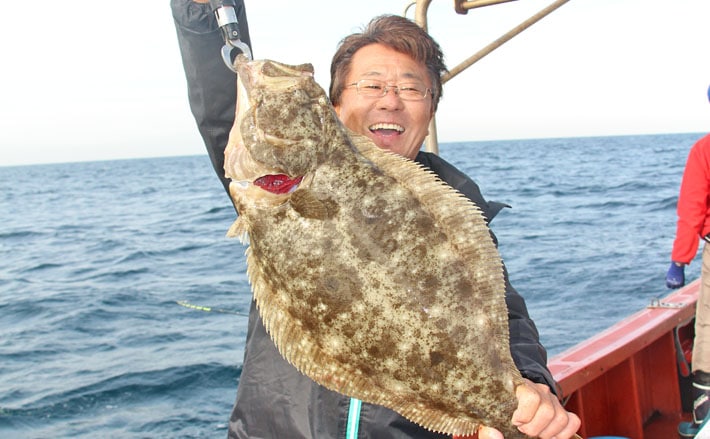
x=391, y=99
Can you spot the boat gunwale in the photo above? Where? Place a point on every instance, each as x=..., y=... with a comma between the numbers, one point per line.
x=591, y=358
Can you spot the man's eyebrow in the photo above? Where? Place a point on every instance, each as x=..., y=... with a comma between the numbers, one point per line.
x=406, y=75
x=410, y=75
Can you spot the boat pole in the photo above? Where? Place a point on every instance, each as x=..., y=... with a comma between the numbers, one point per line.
x=420, y=17
x=501, y=40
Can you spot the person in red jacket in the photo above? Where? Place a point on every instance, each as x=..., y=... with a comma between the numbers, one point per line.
x=694, y=223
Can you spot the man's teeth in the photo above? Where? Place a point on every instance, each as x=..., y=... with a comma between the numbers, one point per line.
x=387, y=126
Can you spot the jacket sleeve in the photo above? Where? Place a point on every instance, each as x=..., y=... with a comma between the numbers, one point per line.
x=528, y=353
x=693, y=202
x=211, y=86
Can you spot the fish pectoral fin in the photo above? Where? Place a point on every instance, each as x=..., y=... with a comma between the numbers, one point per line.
x=239, y=229
x=308, y=205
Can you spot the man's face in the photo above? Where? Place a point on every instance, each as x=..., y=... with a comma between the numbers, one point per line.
x=392, y=123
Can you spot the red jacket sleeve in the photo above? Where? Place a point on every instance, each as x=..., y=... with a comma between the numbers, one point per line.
x=693, y=203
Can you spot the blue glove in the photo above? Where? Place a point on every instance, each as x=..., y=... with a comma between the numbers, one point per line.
x=675, y=278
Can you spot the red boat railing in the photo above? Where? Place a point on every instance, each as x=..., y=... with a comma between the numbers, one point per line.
x=625, y=381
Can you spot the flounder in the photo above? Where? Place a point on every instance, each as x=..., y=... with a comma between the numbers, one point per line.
x=373, y=277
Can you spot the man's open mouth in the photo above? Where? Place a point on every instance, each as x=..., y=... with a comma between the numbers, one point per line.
x=386, y=128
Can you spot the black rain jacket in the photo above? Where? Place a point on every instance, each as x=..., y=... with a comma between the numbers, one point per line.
x=274, y=400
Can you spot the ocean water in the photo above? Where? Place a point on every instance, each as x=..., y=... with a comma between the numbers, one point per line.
x=95, y=258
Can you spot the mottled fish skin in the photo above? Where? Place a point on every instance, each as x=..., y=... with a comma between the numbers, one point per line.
x=373, y=278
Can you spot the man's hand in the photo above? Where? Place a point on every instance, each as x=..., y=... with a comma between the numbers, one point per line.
x=539, y=414
x=675, y=277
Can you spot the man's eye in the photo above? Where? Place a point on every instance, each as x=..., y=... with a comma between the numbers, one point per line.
x=410, y=88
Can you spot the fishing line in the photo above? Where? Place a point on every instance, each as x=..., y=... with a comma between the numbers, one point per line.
x=210, y=309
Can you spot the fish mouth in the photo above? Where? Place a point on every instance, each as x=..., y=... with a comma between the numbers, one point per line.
x=246, y=173
x=278, y=183
x=267, y=190
x=386, y=128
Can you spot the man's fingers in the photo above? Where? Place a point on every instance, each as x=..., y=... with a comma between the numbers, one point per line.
x=489, y=433
x=540, y=414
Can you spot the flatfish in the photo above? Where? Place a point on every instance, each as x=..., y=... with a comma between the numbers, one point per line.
x=373, y=277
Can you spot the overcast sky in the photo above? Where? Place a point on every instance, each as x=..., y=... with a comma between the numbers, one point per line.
x=103, y=80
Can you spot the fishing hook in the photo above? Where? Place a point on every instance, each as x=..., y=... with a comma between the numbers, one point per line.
x=224, y=11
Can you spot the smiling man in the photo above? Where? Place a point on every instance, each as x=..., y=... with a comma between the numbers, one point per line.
x=388, y=98
x=385, y=85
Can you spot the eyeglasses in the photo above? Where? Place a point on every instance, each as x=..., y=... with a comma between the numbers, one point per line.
x=407, y=91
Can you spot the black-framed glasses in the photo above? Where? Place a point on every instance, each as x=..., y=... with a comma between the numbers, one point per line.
x=407, y=91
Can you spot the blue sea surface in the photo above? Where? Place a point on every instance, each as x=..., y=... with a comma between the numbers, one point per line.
x=95, y=258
